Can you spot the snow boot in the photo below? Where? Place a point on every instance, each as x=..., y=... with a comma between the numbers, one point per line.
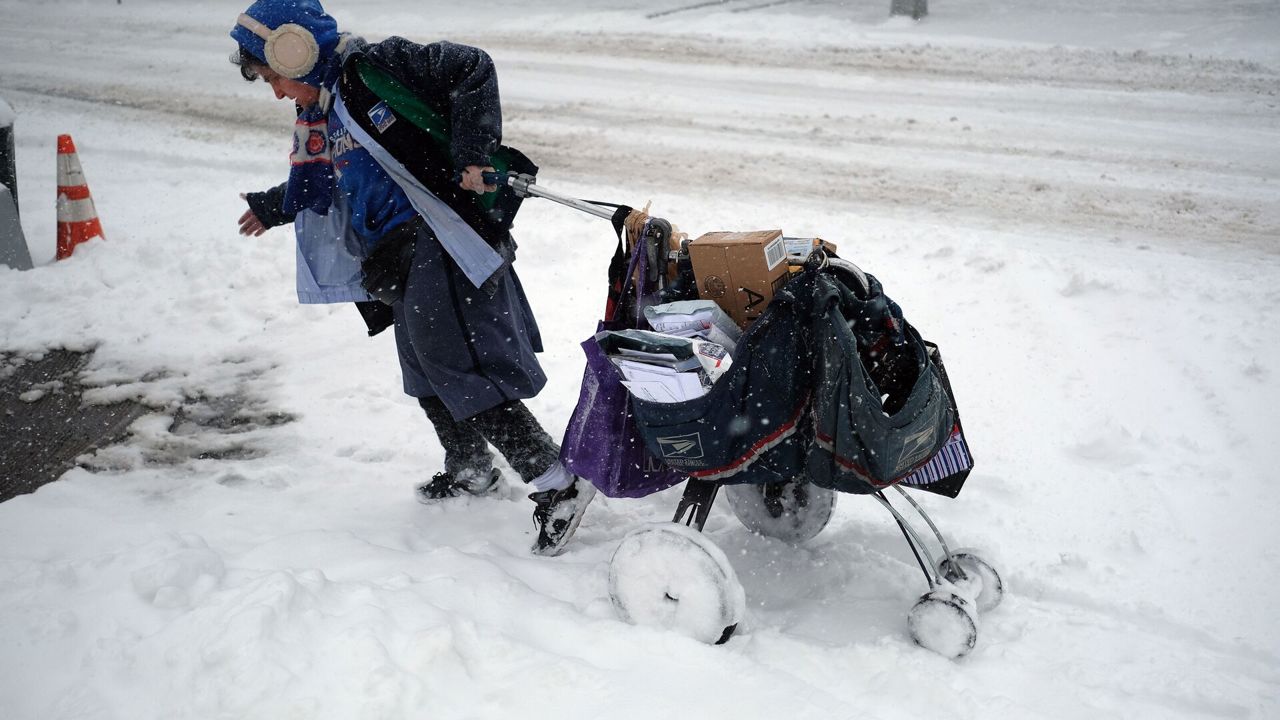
x=446, y=485
x=556, y=514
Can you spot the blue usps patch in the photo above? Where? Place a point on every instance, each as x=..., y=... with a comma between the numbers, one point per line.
x=681, y=446
x=381, y=116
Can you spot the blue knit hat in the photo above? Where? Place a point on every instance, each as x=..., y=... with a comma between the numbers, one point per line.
x=316, y=32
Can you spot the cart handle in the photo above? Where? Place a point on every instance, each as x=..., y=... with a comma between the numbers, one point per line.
x=524, y=185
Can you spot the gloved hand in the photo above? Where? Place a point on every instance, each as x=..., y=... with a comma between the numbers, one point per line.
x=473, y=180
x=249, y=222
x=264, y=211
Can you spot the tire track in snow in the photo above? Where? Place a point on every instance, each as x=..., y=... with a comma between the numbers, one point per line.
x=1185, y=168
x=1050, y=66
x=879, y=174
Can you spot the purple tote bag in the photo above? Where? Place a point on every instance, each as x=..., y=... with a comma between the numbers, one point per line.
x=601, y=443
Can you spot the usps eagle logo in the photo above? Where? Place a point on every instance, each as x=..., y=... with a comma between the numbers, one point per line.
x=681, y=446
x=381, y=116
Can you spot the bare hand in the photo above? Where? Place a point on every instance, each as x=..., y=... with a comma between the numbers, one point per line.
x=473, y=180
x=249, y=223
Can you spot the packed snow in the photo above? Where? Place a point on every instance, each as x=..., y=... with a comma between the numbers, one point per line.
x=1078, y=200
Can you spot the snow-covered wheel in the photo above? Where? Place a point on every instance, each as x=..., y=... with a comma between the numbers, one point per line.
x=943, y=622
x=671, y=576
x=974, y=577
x=793, y=511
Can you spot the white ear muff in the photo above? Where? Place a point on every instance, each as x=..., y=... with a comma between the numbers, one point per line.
x=292, y=51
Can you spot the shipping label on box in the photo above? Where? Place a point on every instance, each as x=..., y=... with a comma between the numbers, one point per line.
x=798, y=248
x=740, y=271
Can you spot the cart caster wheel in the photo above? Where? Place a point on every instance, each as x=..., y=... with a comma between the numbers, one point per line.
x=943, y=622
x=793, y=511
x=974, y=577
x=671, y=576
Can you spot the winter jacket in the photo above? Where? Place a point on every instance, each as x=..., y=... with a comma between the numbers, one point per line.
x=432, y=110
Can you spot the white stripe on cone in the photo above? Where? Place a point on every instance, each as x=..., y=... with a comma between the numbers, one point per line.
x=75, y=210
x=70, y=173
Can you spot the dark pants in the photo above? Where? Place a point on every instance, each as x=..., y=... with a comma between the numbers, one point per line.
x=469, y=358
x=472, y=350
x=510, y=428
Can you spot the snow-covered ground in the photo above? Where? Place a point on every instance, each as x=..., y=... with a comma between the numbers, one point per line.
x=1078, y=200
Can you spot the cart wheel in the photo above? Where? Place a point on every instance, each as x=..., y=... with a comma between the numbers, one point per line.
x=793, y=511
x=671, y=576
x=943, y=622
x=975, y=577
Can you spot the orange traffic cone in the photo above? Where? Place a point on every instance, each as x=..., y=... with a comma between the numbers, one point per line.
x=77, y=218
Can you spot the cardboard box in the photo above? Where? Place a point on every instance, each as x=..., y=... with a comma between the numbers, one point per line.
x=740, y=271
